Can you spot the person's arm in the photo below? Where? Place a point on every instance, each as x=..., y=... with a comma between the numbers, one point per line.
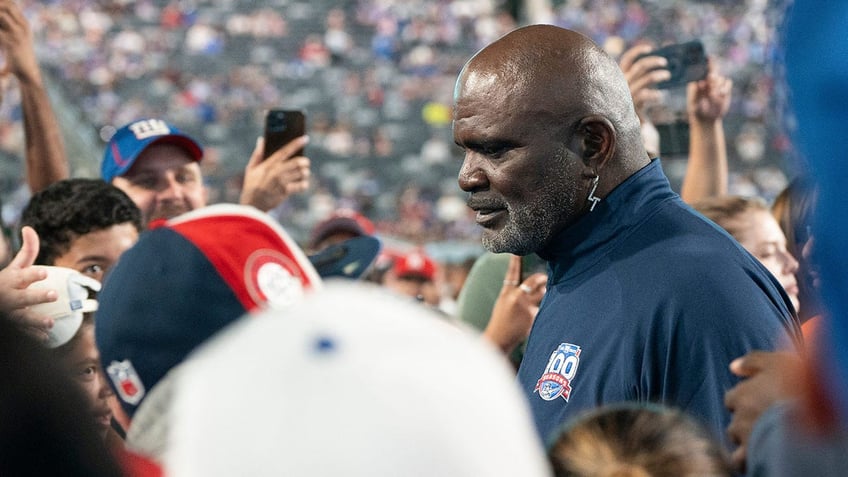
x=707, y=102
x=267, y=183
x=46, y=161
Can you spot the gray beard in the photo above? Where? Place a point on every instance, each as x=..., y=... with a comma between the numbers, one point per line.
x=526, y=232
x=530, y=227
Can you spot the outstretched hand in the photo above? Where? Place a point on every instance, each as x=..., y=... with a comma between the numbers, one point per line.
x=268, y=182
x=516, y=307
x=770, y=377
x=709, y=99
x=17, y=44
x=643, y=74
x=16, y=297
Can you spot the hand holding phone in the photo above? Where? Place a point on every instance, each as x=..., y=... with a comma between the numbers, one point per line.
x=685, y=62
x=281, y=127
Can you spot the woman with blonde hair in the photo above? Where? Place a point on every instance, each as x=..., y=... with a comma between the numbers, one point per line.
x=749, y=220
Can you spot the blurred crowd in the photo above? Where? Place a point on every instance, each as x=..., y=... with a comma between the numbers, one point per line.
x=376, y=80
x=474, y=262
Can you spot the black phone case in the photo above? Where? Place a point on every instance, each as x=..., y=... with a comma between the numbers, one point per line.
x=281, y=127
x=686, y=62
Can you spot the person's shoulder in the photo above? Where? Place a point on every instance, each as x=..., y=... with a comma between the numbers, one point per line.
x=684, y=243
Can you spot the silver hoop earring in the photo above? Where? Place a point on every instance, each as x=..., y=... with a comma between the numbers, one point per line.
x=592, y=198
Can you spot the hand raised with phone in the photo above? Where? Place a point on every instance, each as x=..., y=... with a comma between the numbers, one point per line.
x=277, y=166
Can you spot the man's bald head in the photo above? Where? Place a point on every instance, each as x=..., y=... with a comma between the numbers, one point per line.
x=558, y=73
x=546, y=121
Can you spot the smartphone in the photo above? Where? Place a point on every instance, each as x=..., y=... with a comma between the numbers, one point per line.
x=674, y=138
x=281, y=127
x=686, y=62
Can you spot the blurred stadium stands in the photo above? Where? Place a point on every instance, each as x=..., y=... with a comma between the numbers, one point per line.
x=375, y=78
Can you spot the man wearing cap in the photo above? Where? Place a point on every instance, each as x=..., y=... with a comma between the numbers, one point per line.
x=343, y=224
x=157, y=165
x=414, y=274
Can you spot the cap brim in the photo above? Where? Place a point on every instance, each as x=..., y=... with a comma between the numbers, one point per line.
x=348, y=259
x=183, y=141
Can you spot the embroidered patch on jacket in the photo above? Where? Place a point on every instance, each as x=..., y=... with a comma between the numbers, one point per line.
x=559, y=373
x=126, y=381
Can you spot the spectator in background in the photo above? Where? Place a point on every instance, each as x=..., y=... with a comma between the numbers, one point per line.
x=414, y=274
x=341, y=225
x=44, y=431
x=793, y=208
x=750, y=222
x=635, y=441
x=594, y=205
x=83, y=224
x=71, y=341
x=157, y=166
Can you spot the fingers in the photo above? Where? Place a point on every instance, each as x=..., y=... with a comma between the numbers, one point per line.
x=535, y=287
x=294, y=174
x=512, y=278
x=289, y=150
x=649, y=79
x=23, y=278
x=629, y=57
x=29, y=250
x=33, y=323
x=643, y=74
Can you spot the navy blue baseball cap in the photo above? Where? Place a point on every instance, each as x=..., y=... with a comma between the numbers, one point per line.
x=131, y=140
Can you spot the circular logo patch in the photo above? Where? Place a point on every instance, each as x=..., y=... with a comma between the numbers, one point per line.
x=273, y=278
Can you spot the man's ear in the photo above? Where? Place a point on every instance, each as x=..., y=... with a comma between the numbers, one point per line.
x=597, y=141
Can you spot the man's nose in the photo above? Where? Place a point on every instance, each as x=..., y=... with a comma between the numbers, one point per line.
x=172, y=189
x=103, y=390
x=471, y=176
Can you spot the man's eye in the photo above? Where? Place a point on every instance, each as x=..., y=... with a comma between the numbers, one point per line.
x=88, y=373
x=186, y=178
x=92, y=270
x=145, y=182
x=495, y=150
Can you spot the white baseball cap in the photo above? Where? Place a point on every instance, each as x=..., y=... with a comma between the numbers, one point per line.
x=353, y=381
x=67, y=311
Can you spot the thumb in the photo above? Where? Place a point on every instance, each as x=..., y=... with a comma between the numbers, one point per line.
x=29, y=249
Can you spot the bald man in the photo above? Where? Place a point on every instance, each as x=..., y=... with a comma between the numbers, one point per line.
x=646, y=300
